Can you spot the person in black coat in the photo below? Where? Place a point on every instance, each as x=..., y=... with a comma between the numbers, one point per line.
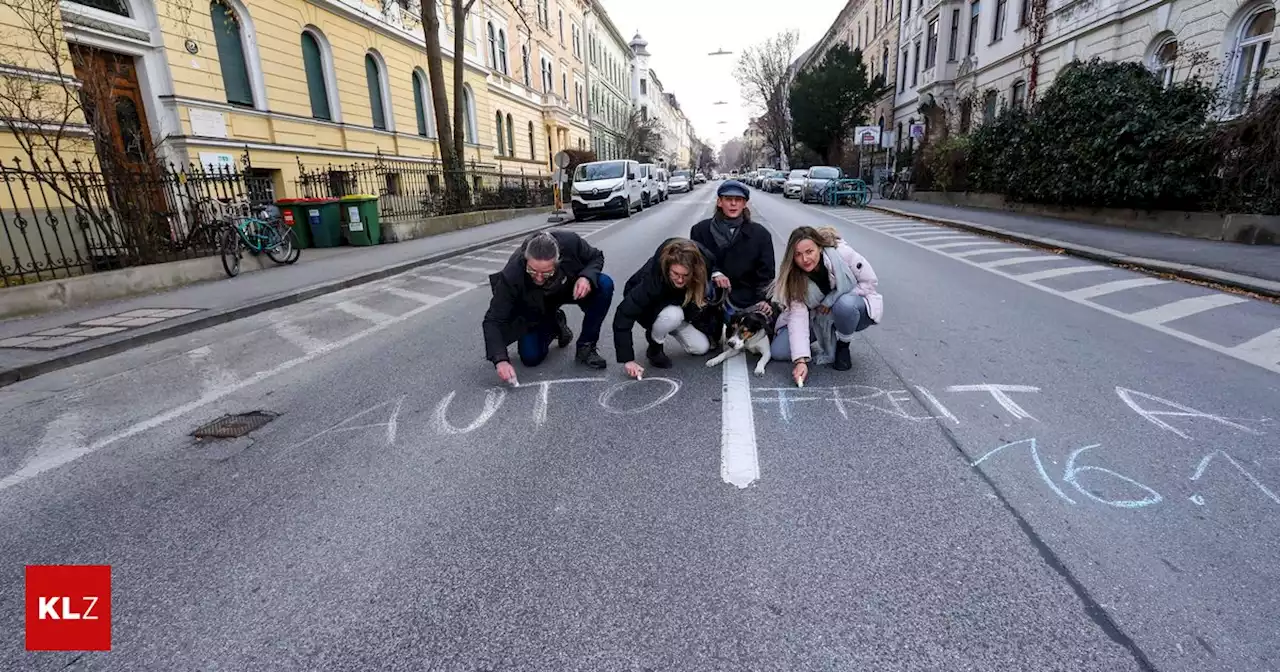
x=663, y=296
x=743, y=256
x=550, y=270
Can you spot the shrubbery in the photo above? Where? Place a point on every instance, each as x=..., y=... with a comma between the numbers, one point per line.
x=1110, y=135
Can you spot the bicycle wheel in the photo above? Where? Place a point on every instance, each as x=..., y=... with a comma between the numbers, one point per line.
x=283, y=250
x=230, y=245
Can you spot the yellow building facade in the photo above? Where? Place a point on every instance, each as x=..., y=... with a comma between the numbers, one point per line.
x=330, y=82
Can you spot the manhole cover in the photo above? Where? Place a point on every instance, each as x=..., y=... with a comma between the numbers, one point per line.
x=232, y=426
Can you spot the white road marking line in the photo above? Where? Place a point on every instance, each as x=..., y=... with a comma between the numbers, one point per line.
x=363, y=312
x=469, y=269
x=934, y=237
x=1185, y=308
x=293, y=333
x=1112, y=287
x=413, y=296
x=1022, y=279
x=948, y=246
x=1021, y=260
x=1001, y=248
x=1059, y=272
x=1264, y=348
x=739, y=461
x=462, y=284
x=901, y=228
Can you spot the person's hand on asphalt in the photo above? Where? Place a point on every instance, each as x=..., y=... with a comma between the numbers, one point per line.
x=799, y=373
x=581, y=288
x=506, y=372
x=722, y=281
x=634, y=370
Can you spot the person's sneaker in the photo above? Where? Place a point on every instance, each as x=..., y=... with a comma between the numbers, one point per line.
x=844, y=361
x=657, y=357
x=565, y=337
x=587, y=355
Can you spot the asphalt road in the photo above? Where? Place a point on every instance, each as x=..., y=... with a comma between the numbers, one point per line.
x=405, y=510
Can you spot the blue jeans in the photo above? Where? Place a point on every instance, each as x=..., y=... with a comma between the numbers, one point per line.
x=850, y=313
x=535, y=344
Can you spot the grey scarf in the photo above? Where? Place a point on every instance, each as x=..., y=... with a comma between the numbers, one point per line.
x=724, y=231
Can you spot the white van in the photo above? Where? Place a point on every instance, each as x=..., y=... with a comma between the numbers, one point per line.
x=649, y=181
x=607, y=186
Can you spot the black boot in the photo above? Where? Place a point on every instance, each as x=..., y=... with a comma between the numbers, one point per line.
x=565, y=337
x=844, y=361
x=657, y=357
x=587, y=355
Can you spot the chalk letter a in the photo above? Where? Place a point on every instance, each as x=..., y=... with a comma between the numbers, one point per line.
x=1127, y=396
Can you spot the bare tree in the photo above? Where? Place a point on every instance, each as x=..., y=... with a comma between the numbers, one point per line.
x=642, y=137
x=762, y=73
x=451, y=136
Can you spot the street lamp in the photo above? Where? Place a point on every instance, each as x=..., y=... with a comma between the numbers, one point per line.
x=719, y=52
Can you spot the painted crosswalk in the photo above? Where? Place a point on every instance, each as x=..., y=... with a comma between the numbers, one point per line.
x=1190, y=312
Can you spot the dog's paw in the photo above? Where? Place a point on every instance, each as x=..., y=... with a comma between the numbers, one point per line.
x=759, y=373
x=711, y=363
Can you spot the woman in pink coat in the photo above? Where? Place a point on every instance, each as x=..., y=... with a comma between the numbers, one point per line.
x=828, y=292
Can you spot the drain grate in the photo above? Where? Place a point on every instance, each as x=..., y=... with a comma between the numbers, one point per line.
x=233, y=426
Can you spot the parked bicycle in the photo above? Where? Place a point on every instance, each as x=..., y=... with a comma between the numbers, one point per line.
x=236, y=232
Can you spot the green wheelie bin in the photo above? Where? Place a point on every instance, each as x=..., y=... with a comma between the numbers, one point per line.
x=316, y=222
x=360, y=219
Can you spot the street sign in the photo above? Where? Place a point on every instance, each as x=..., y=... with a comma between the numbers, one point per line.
x=562, y=159
x=867, y=135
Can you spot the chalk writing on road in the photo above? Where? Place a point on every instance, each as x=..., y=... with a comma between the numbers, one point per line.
x=847, y=397
x=1153, y=414
x=389, y=428
x=609, y=400
x=1072, y=472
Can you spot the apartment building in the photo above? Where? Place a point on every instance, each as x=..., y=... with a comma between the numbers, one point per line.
x=609, y=72
x=649, y=95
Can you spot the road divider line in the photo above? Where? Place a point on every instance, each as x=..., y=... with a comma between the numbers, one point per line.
x=1021, y=260
x=1264, y=348
x=739, y=460
x=461, y=284
x=363, y=312
x=947, y=246
x=1059, y=272
x=413, y=296
x=1113, y=287
x=1002, y=248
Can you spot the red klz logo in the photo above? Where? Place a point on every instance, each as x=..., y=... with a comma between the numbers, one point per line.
x=68, y=607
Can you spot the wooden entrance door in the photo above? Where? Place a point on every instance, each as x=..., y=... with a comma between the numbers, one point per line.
x=111, y=98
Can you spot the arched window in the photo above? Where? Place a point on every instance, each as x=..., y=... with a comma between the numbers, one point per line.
x=313, y=64
x=231, y=53
x=375, y=74
x=501, y=137
x=422, y=104
x=533, y=146
x=1164, y=52
x=511, y=136
x=524, y=58
x=493, y=46
x=469, y=105
x=502, y=51
x=1250, y=55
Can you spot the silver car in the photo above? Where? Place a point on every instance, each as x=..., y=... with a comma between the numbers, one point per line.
x=817, y=181
x=795, y=183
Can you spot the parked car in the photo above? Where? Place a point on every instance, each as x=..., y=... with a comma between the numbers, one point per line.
x=606, y=186
x=699, y=178
x=773, y=181
x=680, y=182
x=795, y=183
x=648, y=175
x=816, y=182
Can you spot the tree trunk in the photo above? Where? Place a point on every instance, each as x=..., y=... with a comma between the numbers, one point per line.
x=439, y=102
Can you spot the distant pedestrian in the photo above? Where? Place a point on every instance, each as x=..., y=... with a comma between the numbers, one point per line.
x=550, y=270
x=743, y=254
x=663, y=296
x=830, y=292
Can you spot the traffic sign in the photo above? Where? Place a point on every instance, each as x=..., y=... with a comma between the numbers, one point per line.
x=562, y=159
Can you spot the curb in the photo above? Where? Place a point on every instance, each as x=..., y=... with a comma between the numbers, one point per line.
x=1265, y=288
x=29, y=371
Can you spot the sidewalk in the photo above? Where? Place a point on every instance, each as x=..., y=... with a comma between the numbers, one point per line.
x=119, y=325
x=1254, y=268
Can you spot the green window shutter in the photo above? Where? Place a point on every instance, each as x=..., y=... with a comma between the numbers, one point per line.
x=375, y=92
x=235, y=73
x=419, y=105
x=316, y=87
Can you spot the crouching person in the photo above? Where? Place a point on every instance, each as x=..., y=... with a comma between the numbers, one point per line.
x=550, y=270
x=663, y=297
x=829, y=292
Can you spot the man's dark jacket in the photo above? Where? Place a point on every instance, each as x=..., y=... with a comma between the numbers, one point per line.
x=518, y=304
x=646, y=293
x=748, y=261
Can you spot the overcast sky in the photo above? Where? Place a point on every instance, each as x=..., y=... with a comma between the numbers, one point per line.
x=682, y=32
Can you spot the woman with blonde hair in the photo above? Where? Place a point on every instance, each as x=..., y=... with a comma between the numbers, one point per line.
x=664, y=296
x=829, y=292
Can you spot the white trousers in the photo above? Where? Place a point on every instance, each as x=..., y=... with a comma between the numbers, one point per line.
x=671, y=322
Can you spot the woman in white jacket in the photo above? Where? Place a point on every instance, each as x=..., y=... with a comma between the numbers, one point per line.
x=828, y=292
